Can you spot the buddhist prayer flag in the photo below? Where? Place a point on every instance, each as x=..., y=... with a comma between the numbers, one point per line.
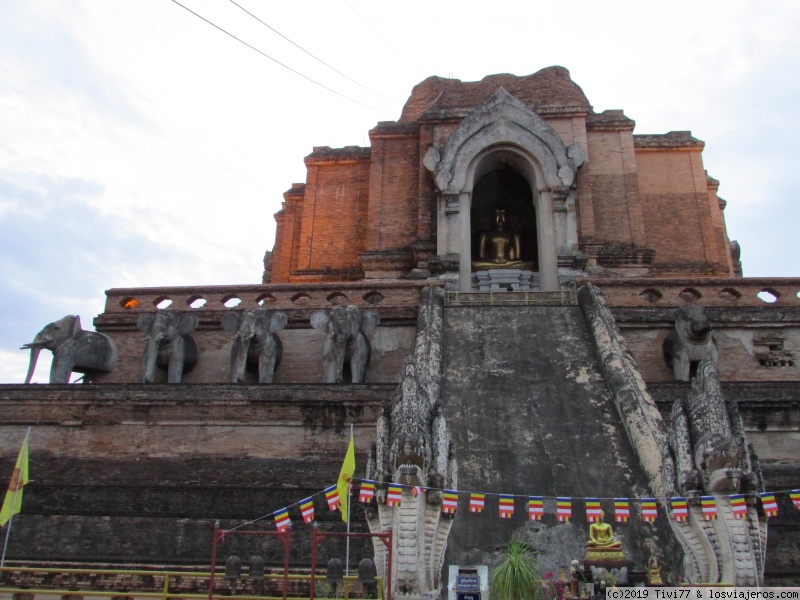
x=795, y=496
x=709, y=505
x=564, y=509
x=477, y=502
x=649, y=510
x=622, y=510
x=345, y=475
x=282, y=521
x=770, y=504
x=739, y=506
x=680, y=510
x=418, y=489
x=332, y=496
x=450, y=501
x=307, y=509
x=19, y=477
x=367, y=491
x=506, y=506
x=535, y=508
x=593, y=510
x=394, y=495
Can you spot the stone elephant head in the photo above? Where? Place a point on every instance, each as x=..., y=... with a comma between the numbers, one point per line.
x=690, y=342
x=255, y=345
x=170, y=344
x=74, y=349
x=344, y=328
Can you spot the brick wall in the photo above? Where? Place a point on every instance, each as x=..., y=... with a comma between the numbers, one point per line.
x=392, y=221
x=609, y=177
x=683, y=220
x=137, y=474
x=287, y=234
x=333, y=226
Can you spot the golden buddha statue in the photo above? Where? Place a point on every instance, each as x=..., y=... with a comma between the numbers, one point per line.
x=602, y=544
x=654, y=572
x=500, y=248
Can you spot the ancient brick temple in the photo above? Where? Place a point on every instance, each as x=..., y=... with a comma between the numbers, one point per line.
x=586, y=193
x=540, y=303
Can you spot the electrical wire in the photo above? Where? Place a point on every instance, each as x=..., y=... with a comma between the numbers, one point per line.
x=375, y=29
x=277, y=61
x=310, y=54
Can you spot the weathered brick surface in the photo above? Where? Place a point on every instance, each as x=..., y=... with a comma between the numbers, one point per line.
x=333, y=229
x=657, y=293
x=393, y=192
x=287, y=233
x=547, y=90
x=676, y=201
x=139, y=473
x=735, y=329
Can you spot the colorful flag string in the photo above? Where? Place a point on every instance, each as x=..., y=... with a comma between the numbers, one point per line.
x=679, y=506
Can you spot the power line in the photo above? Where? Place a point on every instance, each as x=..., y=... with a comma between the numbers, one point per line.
x=277, y=61
x=310, y=54
x=375, y=29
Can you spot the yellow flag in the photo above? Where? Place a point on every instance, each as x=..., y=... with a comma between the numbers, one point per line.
x=345, y=475
x=13, y=501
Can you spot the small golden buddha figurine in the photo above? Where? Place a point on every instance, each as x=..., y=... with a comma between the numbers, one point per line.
x=500, y=248
x=654, y=572
x=601, y=544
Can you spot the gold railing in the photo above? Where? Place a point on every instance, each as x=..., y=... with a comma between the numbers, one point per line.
x=564, y=297
x=98, y=583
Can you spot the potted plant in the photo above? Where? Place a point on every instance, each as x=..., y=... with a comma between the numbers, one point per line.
x=515, y=574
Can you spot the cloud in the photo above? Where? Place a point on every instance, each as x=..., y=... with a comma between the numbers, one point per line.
x=58, y=253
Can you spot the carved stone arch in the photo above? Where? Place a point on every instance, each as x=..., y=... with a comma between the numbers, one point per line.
x=503, y=119
x=502, y=124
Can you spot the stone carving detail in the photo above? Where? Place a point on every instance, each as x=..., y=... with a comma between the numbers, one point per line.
x=690, y=342
x=712, y=457
x=170, y=344
x=503, y=119
x=770, y=350
x=74, y=350
x=704, y=452
x=345, y=340
x=413, y=447
x=707, y=440
x=255, y=345
x=736, y=258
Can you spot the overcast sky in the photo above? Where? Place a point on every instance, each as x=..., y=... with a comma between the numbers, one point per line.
x=141, y=146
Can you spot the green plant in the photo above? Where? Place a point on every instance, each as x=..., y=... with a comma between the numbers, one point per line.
x=516, y=573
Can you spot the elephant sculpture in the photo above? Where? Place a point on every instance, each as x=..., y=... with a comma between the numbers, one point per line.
x=74, y=350
x=690, y=343
x=255, y=345
x=170, y=344
x=345, y=327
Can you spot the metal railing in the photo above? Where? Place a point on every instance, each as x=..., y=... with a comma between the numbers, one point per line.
x=99, y=583
x=563, y=297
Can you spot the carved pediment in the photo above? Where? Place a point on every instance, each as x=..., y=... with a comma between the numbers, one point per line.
x=503, y=120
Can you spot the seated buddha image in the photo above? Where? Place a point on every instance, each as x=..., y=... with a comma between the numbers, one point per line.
x=601, y=544
x=500, y=248
x=602, y=536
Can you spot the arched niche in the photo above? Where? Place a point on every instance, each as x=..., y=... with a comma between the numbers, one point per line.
x=501, y=132
x=501, y=185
